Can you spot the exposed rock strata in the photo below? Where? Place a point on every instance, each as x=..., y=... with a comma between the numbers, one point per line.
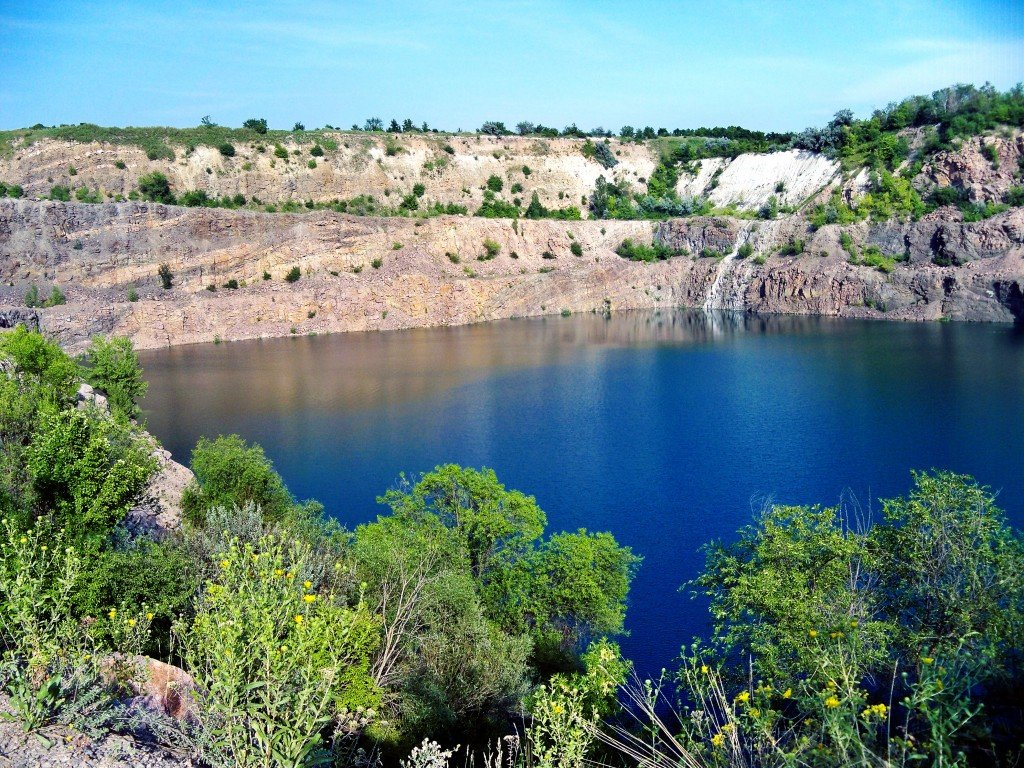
x=97, y=252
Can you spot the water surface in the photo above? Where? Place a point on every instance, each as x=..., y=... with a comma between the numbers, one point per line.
x=668, y=429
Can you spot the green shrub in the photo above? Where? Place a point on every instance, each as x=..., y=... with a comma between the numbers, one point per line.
x=311, y=164
x=873, y=257
x=1014, y=196
x=991, y=152
x=377, y=263
x=317, y=151
x=792, y=248
x=227, y=149
x=120, y=165
x=165, y=275
x=231, y=284
x=60, y=192
x=655, y=252
x=491, y=248
x=56, y=297
x=495, y=184
x=576, y=248
x=32, y=299
x=112, y=366
x=419, y=190
x=133, y=294
x=293, y=275
x=745, y=250
x=280, y=152
x=229, y=473
x=155, y=187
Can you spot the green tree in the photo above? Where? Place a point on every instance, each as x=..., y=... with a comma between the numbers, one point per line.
x=112, y=366
x=256, y=124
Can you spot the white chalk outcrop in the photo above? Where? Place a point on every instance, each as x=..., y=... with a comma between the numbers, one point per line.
x=749, y=180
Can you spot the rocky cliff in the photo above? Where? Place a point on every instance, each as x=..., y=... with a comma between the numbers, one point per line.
x=437, y=271
x=364, y=273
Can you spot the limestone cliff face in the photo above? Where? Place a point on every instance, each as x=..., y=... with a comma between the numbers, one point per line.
x=452, y=169
x=430, y=271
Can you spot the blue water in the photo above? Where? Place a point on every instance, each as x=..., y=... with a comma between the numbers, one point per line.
x=668, y=429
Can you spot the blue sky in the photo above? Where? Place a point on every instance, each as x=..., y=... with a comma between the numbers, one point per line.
x=771, y=65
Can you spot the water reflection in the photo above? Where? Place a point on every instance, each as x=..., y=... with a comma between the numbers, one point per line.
x=374, y=370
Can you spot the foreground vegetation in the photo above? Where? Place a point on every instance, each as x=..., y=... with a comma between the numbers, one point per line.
x=454, y=617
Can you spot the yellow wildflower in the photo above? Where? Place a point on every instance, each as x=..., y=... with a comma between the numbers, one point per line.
x=112, y=613
x=149, y=616
x=718, y=740
x=813, y=633
x=131, y=622
x=743, y=697
x=298, y=618
x=788, y=693
x=704, y=668
x=927, y=660
x=831, y=702
x=43, y=547
x=309, y=598
x=290, y=575
x=755, y=712
x=307, y=584
x=854, y=623
x=23, y=540
x=279, y=572
x=224, y=563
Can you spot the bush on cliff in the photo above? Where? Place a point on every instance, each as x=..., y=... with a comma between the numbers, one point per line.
x=155, y=187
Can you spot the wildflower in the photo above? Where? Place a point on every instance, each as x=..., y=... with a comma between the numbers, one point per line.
x=704, y=668
x=557, y=709
x=875, y=710
x=298, y=618
x=307, y=584
x=290, y=575
x=755, y=712
x=23, y=540
x=835, y=635
x=927, y=660
x=131, y=622
x=224, y=563
x=718, y=740
x=278, y=572
x=831, y=702
x=43, y=547
x=813, y=633
x=788, y=694
x=854, y=623
x=309, y=598
x=149, y=616
x=112, y=613
x=743, y=697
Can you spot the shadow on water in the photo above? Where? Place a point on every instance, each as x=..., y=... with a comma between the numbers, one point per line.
x=667, y=428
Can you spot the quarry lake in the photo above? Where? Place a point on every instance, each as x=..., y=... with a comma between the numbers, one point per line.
x=668, y=429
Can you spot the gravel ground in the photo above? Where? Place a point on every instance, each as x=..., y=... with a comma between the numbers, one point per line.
x=63, y=747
